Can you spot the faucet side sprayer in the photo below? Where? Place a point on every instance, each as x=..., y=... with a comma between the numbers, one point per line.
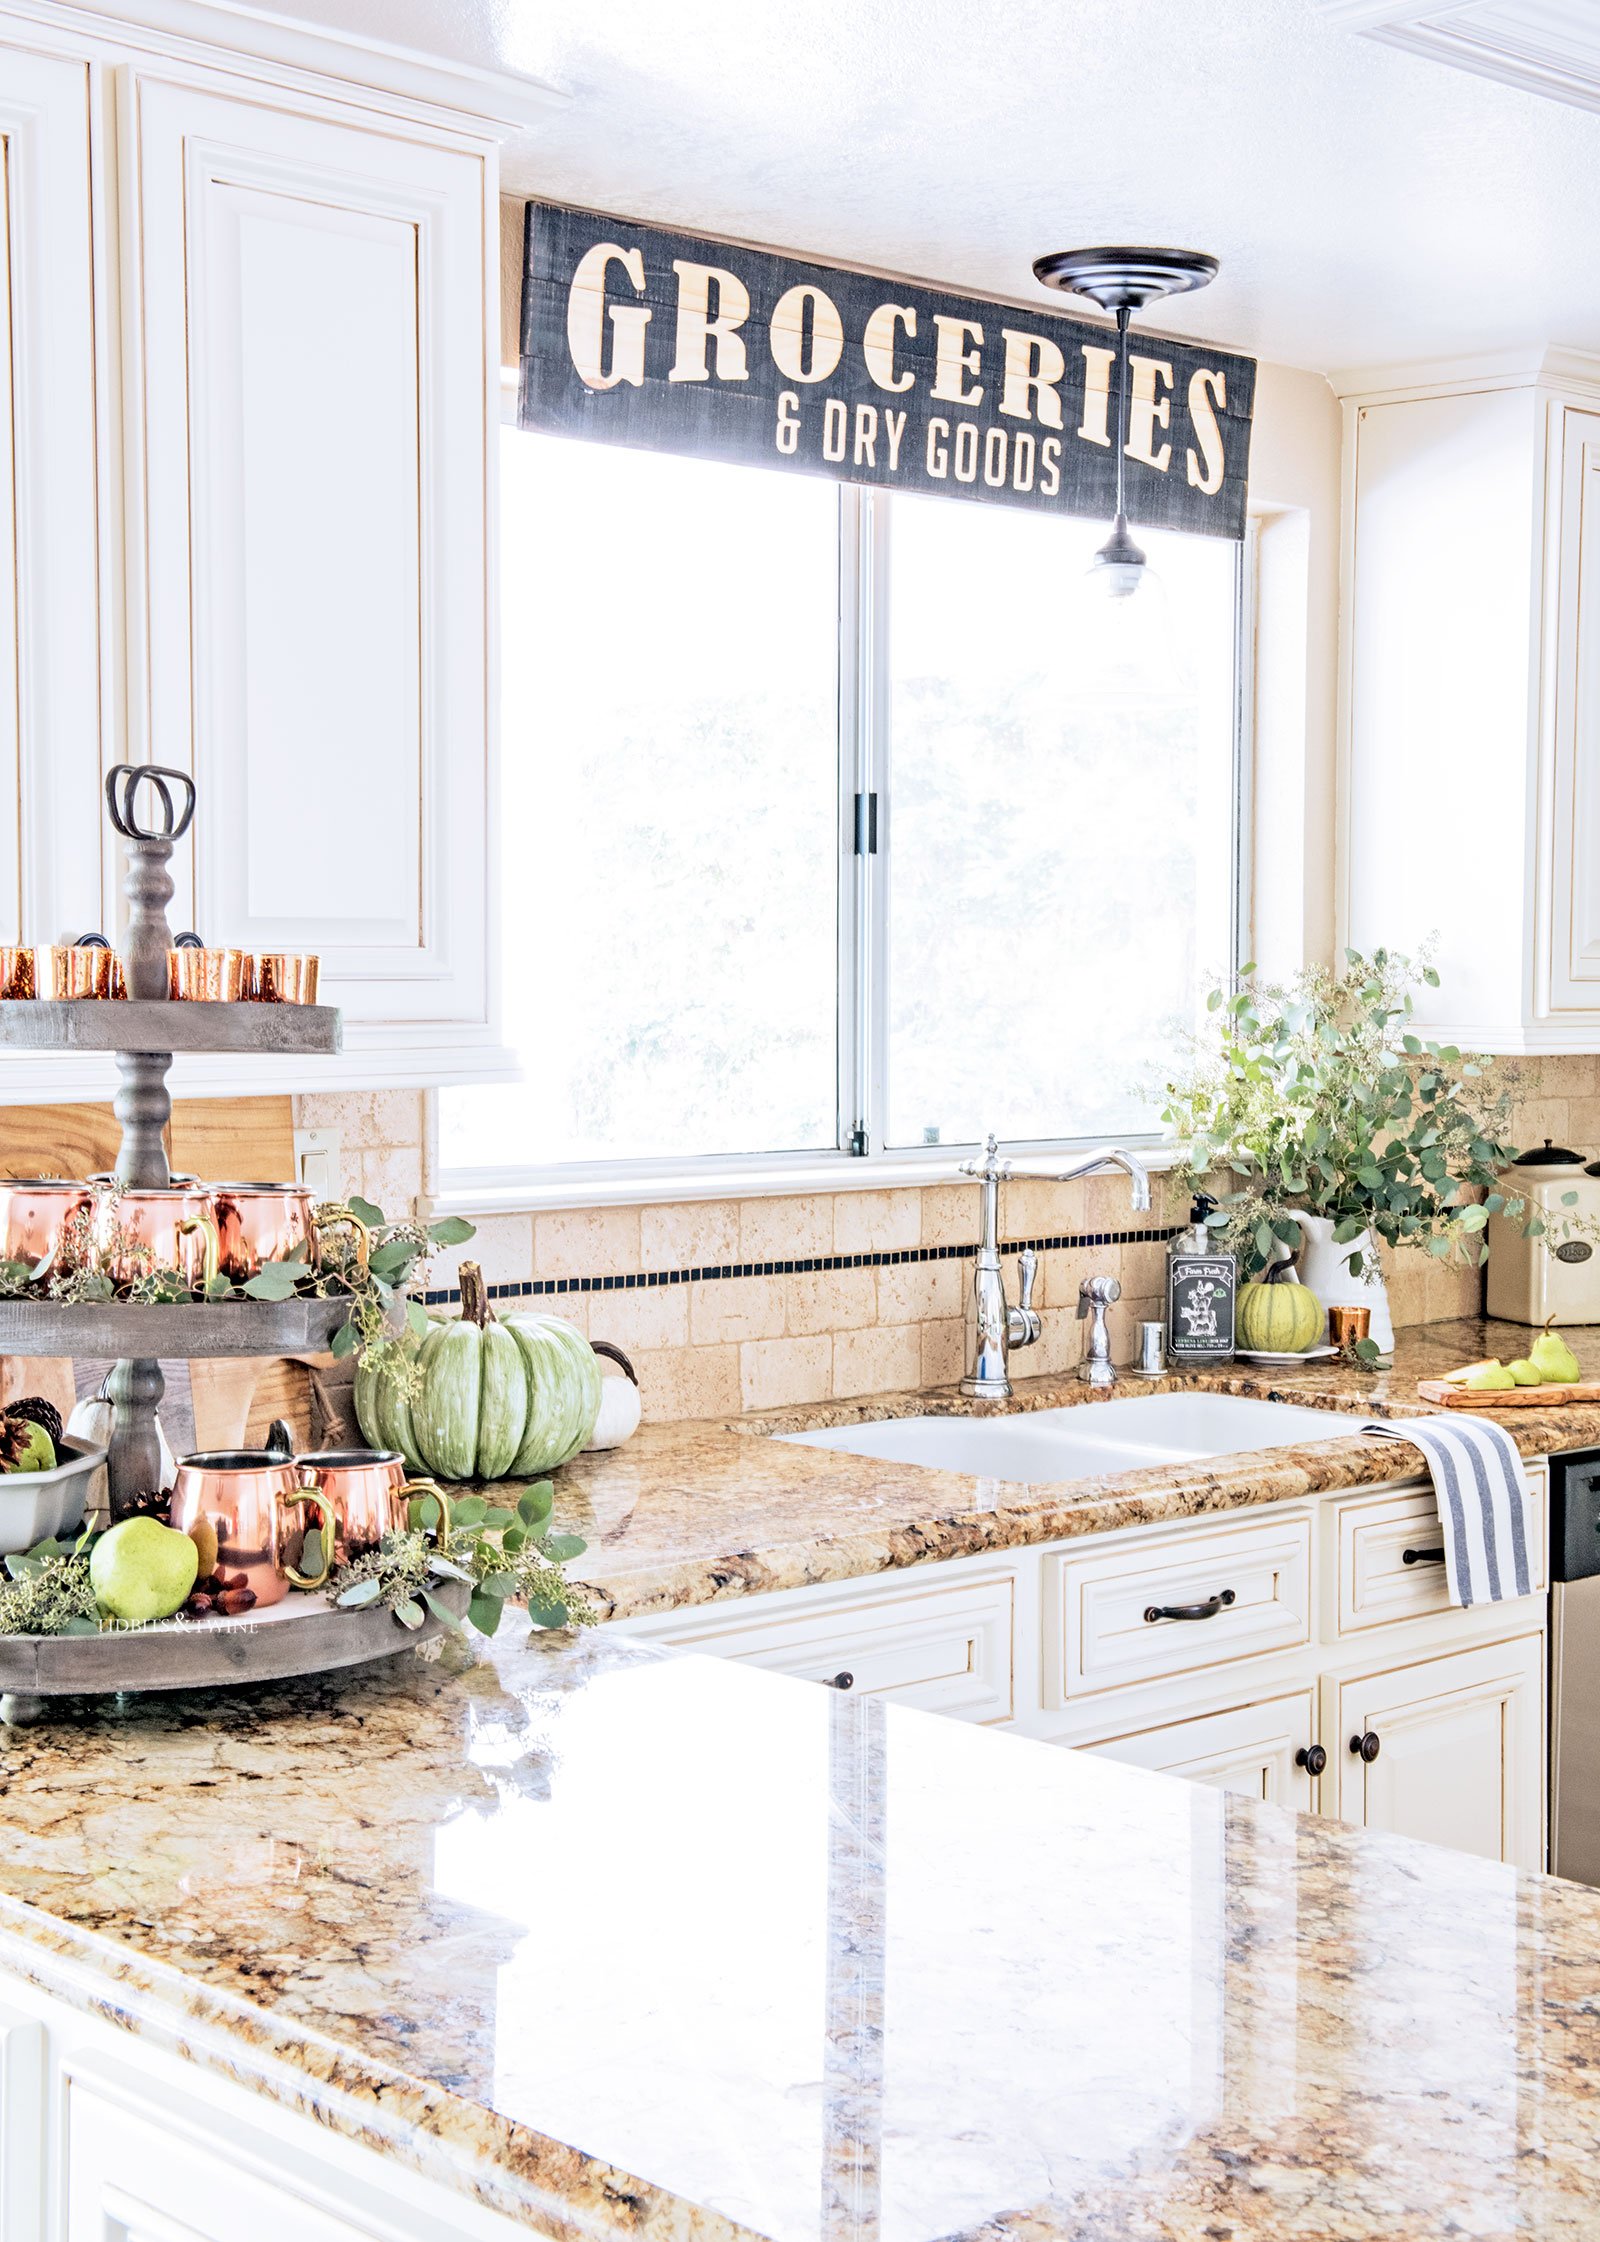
x=994, y=1326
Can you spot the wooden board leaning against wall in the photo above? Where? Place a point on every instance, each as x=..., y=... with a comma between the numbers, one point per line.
x=214, y=1138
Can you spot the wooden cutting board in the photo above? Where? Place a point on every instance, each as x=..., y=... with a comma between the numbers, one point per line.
x=1514, y=1397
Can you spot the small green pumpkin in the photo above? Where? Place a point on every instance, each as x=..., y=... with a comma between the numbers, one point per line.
x=491, y=1399
x=1279, y=1315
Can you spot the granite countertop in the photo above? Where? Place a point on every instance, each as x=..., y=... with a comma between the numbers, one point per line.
x=630, y=1944
x=689, y=1513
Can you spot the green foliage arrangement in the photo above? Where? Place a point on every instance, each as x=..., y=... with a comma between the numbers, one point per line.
x=1320, y=1098
x=502, y=1554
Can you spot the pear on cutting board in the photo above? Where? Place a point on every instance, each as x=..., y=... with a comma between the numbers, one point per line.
x=1524, y=1372
x=1490, y=1377
x=1468, y=1371
x=1554, y=1360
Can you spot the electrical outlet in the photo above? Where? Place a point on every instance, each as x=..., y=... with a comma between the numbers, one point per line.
x=318, y=1162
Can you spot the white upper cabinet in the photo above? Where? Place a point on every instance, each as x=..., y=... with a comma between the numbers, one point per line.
x=315, y=302
x=1471, y=702
x=51, y=649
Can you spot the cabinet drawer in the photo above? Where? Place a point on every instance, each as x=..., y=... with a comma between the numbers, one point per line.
x=943, y=1649
x=1098, y=1608
x=1377, y=1586
x=1250, y=1749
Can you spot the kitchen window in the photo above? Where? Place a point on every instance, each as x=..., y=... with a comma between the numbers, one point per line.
x=824, y=840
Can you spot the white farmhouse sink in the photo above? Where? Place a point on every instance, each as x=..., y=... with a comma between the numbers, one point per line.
x=1088, y=1440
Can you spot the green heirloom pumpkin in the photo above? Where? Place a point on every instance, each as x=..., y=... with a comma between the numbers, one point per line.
x=490, y=1400
x=1279, y=1316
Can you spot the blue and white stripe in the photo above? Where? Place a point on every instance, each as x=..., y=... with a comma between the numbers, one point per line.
x=1483, y=1502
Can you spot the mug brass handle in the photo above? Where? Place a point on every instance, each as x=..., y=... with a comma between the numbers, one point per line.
x=1366, y=1746
x=1208, y=1610
x=330, y=1529
x=213, y=1244
x=418, y=1488
x=335, y=1215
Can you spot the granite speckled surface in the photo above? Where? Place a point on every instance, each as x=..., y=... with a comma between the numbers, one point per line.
x=689, y=1513
x=631, y=1945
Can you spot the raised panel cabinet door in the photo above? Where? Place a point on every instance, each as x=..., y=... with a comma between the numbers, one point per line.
x=132, y=2177
x=23, y=2057
x=50, y=458
x=1450, y=1750
x=1572, y=840
x=1261, y=1751
x=314, y=406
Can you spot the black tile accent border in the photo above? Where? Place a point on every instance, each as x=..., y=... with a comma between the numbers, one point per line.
x=544, y=1288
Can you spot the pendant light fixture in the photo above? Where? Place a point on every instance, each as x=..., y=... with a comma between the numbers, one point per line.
x=1123, y=281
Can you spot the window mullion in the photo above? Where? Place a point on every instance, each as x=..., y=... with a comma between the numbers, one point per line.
x=852, y=909
x=873, y=624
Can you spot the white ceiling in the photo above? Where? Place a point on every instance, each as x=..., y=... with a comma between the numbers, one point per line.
x=1369, y=205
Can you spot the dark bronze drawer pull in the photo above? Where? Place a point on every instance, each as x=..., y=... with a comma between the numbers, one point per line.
x=1422, y=1556
x=1312, y=1757
x=843, y=1681
x=1208, y=1610
x=1367, y=1746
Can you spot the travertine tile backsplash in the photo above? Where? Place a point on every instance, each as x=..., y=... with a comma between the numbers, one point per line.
x=713, y=1345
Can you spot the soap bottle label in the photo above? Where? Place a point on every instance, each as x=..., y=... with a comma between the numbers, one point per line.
x=1200, y=1305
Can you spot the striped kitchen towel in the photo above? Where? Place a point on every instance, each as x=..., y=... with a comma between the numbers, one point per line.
x=1483, y=1502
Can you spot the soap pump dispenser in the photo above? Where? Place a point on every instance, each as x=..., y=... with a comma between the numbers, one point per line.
x=1202, y=1291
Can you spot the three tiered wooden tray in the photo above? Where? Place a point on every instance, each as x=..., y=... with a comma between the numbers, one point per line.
x=144, y=1031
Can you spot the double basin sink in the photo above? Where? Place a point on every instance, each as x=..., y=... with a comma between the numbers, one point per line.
x=1090, y=1440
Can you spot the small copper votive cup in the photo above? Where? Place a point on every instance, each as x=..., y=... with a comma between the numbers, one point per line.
x=52, y=970
x=119, y=979
x=88, y=967
x=17, y=971
x=1346, y=1326
x=227, y=976
x=186, y=975
x=285, y=978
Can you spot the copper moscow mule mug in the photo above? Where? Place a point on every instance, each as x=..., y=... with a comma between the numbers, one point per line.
x=367, y=1487
x=42, y=1217
x=259, y=1222
x=256, y=1500
x=140, y=1231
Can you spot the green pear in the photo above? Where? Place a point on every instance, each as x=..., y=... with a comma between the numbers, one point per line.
x=1490, y=1377
x=1524, y=1372
x=1554, y=1360
x=143, y=1570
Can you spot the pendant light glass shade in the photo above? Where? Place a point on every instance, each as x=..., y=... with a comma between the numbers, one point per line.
x=1121, y=628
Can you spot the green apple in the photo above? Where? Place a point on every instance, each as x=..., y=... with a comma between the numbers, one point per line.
x=143, y=1570
x=28, y=1448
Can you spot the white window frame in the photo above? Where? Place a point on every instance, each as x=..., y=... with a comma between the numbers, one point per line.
x=862, y=949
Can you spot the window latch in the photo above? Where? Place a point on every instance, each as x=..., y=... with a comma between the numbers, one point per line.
x=866, y=825
x=858, y=1141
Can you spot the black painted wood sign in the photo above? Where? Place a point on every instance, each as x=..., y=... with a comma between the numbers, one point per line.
x=632, y=335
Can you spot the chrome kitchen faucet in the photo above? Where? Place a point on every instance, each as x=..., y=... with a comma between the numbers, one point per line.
x=994, y=1326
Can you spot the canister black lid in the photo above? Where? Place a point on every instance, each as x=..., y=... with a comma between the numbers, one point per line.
x=1550, y=1155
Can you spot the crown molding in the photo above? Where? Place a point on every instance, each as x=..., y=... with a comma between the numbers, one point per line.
x=1554, y=50
x=1536, y=366
x=337, y=62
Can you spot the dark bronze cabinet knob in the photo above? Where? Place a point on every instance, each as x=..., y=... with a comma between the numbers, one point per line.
x=1312, y=1757
x=843, y=1681
x=1366, y=1746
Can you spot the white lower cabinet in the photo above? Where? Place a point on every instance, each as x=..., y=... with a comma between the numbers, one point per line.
x=1245, y=1652
x=1448, y=1749
x=1259, y=1750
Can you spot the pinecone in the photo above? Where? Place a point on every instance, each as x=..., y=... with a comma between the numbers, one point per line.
x=34, y=1410
x=143, y=1506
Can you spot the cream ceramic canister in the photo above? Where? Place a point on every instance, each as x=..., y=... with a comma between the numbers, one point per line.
x=1325, y=1268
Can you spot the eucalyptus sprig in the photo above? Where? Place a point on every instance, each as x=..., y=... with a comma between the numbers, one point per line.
x=502, y=1555
x=47, y=1590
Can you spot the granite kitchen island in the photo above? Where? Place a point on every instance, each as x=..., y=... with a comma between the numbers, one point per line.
x=599, y=1941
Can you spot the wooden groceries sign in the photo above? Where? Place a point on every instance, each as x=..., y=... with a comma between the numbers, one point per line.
x=636, y=336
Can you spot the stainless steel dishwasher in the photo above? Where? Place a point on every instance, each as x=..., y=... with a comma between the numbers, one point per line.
x=1575, y=1665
